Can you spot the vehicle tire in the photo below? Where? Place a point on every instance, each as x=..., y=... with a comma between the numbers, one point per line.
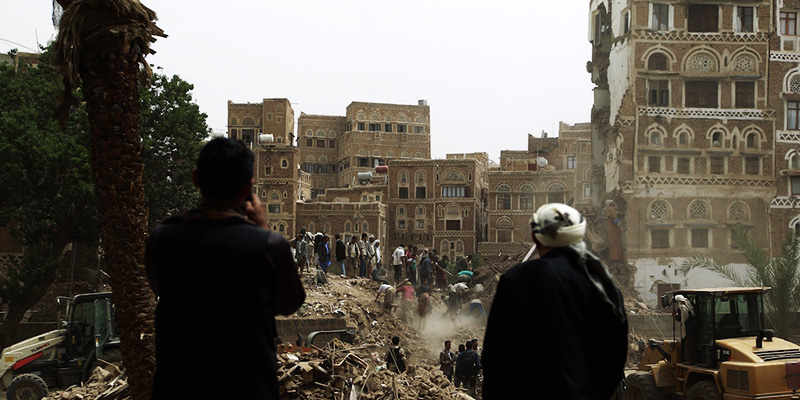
x=642, y=386
x=704, y=390
x=27, y=387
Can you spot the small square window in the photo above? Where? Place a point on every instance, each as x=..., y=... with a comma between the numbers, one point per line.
x=654, y=164
x=744, y=19
x=752, y=165
x=274, y=208
x=659, y=238
x=660, y=17
x=683, y=165
x=745, y=94
x=717, y=166
x=700, y=238
x=795, y=185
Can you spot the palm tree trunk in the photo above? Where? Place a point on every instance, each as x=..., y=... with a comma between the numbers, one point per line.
x=104, y=42
x=110, y=87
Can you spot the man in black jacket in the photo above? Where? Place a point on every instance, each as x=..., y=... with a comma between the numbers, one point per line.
x=220, y=277
x=580, y=324
x=341, y=253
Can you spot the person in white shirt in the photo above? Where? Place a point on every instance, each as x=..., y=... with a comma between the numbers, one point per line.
x=398, y=262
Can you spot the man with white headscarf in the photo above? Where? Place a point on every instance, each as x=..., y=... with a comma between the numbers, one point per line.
x=578, y=326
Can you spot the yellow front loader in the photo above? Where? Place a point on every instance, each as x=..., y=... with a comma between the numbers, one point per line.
x=720, y=350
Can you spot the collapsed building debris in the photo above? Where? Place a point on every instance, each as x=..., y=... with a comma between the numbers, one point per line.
x=337, y=372
x=108, y=382
x=357, y=370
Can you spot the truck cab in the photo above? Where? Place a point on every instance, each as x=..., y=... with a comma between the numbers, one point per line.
x=62, y=357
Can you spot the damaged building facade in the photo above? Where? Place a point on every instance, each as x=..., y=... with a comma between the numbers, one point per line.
x=694, y=126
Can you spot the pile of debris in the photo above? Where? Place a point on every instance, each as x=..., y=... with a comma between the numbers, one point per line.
x=335, y=372
x=106, y=383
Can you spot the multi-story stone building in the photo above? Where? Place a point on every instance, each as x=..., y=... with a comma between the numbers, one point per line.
x=551, y=169
x=683, y=131
x=337, y=148
x=784, y=89
x=328, y=182
x=438, y=204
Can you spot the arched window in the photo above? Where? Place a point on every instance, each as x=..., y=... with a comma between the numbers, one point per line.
x=699, y=210
x=752, y=140
x=420, y=211
x=248, y=121
x=401, y=210
x=794, y=162
x=555, y=193
x=738, y=212
x=503, y=197
x=655, y=138
x=657, y=62
x=716, y=138
x=526, y=197
x=659, y=210
x=504, y=223
x=347, y=226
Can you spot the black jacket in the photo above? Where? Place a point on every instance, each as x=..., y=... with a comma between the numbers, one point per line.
x=571, y=328
x=220, y=281
x=341, y=250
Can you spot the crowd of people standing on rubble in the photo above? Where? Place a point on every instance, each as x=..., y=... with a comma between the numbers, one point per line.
x=225, y=243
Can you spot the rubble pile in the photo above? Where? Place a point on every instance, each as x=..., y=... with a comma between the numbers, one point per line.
x=334, y=372
x=357, y=370
x=106, y=383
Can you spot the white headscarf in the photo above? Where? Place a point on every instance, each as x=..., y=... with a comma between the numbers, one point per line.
x=558, y=225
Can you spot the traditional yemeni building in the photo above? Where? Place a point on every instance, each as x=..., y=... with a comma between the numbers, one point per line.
x=328, y=182
x=784, y=89
x=683, y=132
x=552, y=169
x=438, y=204
x=337, y=148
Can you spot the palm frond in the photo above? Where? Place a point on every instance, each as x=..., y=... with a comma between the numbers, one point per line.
x=88, y=26
x=726, y=271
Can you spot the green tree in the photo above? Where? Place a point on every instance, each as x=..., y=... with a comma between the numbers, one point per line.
x=173, y=130
x=779, y=272
x=45, y=185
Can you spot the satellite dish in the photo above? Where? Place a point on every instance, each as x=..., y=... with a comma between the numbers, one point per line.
x=541, y=162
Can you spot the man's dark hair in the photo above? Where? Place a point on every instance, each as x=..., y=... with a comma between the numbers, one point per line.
x=461, y=348
x=446, y=342
x=395, y=340
x=338, y=236
x=223, y=167
x=363, y=235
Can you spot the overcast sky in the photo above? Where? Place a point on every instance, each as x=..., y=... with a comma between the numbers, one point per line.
x=492, y=72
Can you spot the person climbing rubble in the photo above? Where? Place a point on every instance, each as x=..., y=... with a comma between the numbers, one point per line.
x=388, y=292
x=406, y=300
x=396, y=357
